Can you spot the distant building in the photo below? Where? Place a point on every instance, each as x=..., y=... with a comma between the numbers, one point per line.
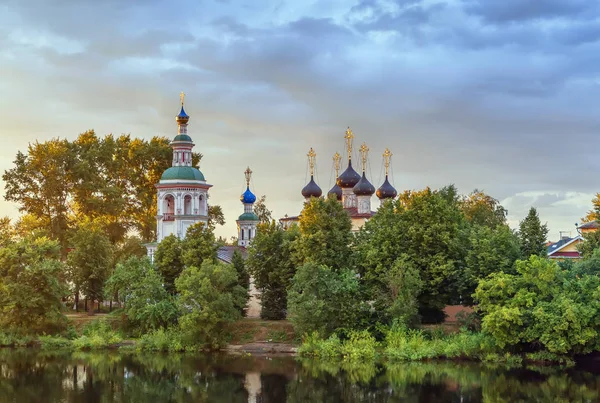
x=567, y=247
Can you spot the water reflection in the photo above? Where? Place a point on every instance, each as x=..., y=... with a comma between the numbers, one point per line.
x=37, y=376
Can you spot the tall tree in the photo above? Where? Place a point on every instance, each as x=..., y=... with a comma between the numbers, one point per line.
x=237, y=261
x=215, y=216
x=7, y=232
x=532, y=235
x=482, y=209
x=260, y=209
x=270, y=263
x=168, y=261
x=325, y=234
x=594, y=213
x=39, y=184
x=199, y=245
x=90, y=260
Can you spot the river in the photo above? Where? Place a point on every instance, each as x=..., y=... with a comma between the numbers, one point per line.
x=37, y=376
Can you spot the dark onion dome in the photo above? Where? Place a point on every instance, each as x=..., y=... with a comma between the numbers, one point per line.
x=247, y=197
x=183, y=117
x=349, y=178
x=335, y=190
x=248, y=217
x=386, y=191
x=312, y=189
x=183, y=173
x=363, y=187
x=182, y=137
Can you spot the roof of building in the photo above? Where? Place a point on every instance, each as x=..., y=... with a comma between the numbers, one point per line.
x=353, y=211
x=248, y=217
x=225, y=253
x=182, y=137
x=349, y=178
x=590, y=225
x=554, y=249
x=183, y=173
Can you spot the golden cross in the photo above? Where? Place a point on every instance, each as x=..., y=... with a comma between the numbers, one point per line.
x=248, y=174
x=182, y=97
x=336, y=163
x=364, y=150
x=387, y=155
x=311, y=160
x=349, y=136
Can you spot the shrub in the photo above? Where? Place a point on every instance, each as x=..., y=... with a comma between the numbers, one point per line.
x=54, y=342
x=360, y=346
x=162, y=340
x=313, y=345
x=97, y=335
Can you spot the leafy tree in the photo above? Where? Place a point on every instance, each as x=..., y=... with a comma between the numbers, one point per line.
x=482, y=209
x=323, y=300
x=237, y=261
x=325, y=234
x=492, y=249
x=594, y=213
x=146, y=303
x=265, y=215
x=215, y=216
x=31, y=226
x=209, y=298
x=90, y=261
x=38, y=184
x=7, y=232
x=168, y=261
x=532, y=235
x=590, y=245
x=130, y=247
x=541, y=305
x=398, y=299
x=199, y=245
x=270, y=263
x=32, y=287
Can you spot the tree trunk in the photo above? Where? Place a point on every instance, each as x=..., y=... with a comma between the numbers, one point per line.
x=85, y=304
x=91, y=308
x=77, y=300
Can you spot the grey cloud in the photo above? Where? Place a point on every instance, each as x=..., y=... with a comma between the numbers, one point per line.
x=507, y=11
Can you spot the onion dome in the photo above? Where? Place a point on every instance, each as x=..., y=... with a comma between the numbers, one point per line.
x=248, y=217
x=312, y=189
x=185, y=173
x=183, y=117
x=349, y=178
x=335, y=190
x=363, y=187
x=386, y=191
x=247, y=197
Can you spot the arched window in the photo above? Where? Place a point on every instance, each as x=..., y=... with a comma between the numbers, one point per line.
x=243, y=231
x=187, y=205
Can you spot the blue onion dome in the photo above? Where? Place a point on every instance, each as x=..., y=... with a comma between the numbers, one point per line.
x=363, y=187
x=386, y=191
x=349, y=178
x=312, y=189
x=335, y=190
x=247, y=197
x=183, y=117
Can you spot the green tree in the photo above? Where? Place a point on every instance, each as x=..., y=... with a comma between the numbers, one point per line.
x=32, y=287
x=265, y=215
x=39, y=184
x=209, y=298
x=323, y=300
x=590, y=245
x=237, y=261
x=594, y=213
x=90, y=261
x=7, y=232
x=482, y=209
x=168, y=261
x=541, y=305
x=215, y=216
x=325, y=234
x=532, y=235
x=130, y=247
x=199, y=245
x=270, y=263
x=138, y=287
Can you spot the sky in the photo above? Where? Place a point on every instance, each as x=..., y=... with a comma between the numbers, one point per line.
x=498, y=95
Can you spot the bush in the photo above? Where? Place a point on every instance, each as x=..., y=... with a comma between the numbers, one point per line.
x=54, y=342
x=314, y=346
x=162, y=340
x=360, y=346
x=97, y=335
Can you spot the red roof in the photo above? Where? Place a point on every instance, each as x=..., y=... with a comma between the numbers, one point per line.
x=565, y=254
x=590, y=225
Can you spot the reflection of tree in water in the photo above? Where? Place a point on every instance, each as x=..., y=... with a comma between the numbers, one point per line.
x=34, y=376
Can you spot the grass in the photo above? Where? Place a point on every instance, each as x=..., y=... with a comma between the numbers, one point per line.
x=247, y=331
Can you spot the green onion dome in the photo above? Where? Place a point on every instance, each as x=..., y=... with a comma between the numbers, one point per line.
x=248, y=217
x=182, y=137
x=183, y=173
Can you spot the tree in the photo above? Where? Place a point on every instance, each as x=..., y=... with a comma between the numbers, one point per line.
x=270, y=263
x=594, y=213
x=39, y=184
x=323, y=300
x=215, y=216
x=265, y=215
x=168, y=261
x=325, y=234
x=90, y=261
x=146, y=303
x=7, y=232
x=482, y=209
x=32, y=287
x=209, y=298
x=541, y=305
x=532, y=235
x=590, y=245
x=237, y=261
x=199, y=245
x=130, y=247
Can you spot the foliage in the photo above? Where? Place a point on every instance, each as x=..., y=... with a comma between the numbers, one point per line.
x=360, y=345
x=313, y=345
x=594, y=213
x=131, y=246
x=325, y=301
x=215, y=216
x=168, y=261
x=483, y=210
x=532, y=235
x=198, y=246
x=146, y=303
x=54, y=342
x=7, y=232
x=96, y=335
x=209, y=298
x=32, y=287
x=325, y=234
x=90, y=261
x=237, y=261
x=469, y=321
x=270, y=263
x=541, y=305
x=163, y=340
x=264, y=215
x=590, y=245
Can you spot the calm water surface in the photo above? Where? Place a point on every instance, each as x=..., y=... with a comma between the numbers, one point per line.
x=34, y=376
